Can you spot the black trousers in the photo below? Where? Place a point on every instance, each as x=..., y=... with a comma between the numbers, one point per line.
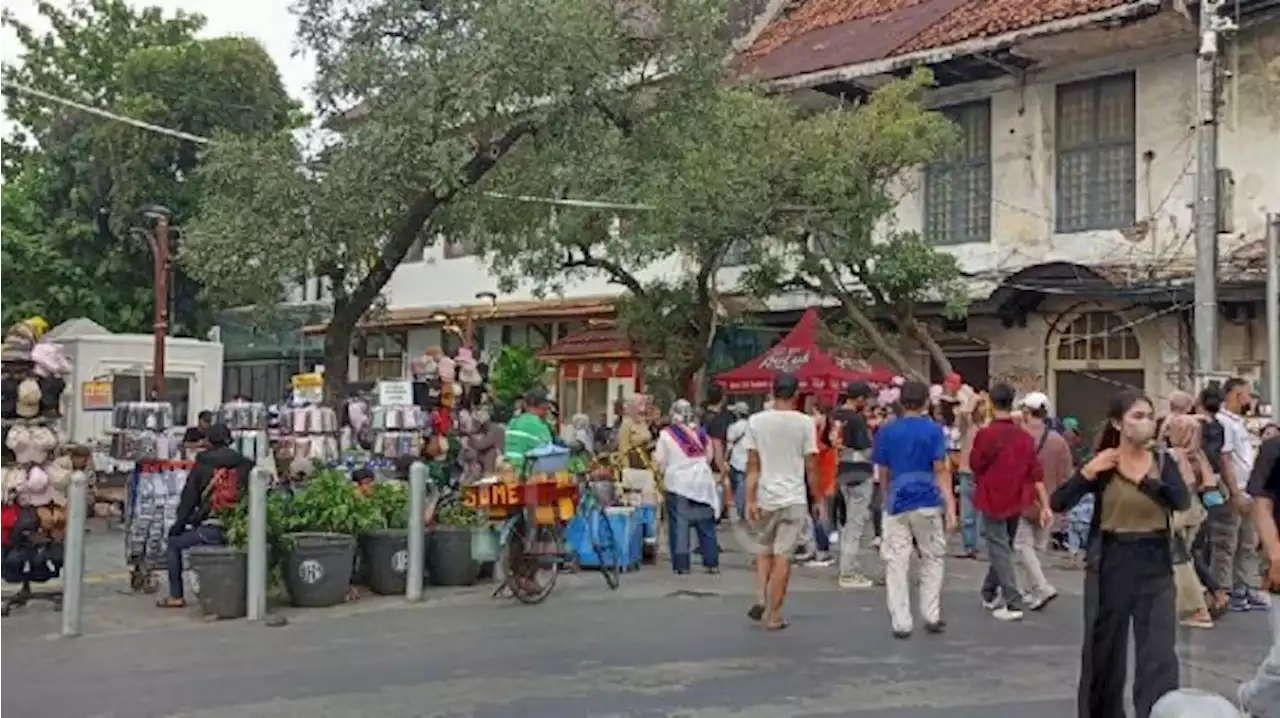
x=1129, y=584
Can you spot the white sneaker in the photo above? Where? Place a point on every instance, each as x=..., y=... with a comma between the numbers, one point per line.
x=856, y=581
x=876, y=542
x=818, y=562
x=1039, y=602
x=1004, y=613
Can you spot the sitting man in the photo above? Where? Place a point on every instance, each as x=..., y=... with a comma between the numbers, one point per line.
x=216, y=482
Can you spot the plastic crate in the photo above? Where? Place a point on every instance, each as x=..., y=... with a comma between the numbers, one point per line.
x=548, y=459
x=627, y=535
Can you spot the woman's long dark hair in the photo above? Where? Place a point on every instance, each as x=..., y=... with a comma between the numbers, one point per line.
x=1109, y=435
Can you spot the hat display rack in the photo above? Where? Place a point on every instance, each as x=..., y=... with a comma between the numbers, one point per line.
x=36, y=470
x=248, y=422
x=398, y=430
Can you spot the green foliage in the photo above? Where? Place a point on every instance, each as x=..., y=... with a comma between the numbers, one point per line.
x=77, y=180
x=235, y=521
x=391, y=498
x=447, y=91
x=516, y=370
x=454, y=514
x=329, y=503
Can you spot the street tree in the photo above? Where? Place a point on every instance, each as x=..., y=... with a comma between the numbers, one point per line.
x=838, y=240
x=689, y=185
x=428, y=99
x=78, y=179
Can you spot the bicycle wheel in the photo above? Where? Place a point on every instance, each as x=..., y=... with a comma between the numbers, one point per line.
x=608, y=550
x=532, y=576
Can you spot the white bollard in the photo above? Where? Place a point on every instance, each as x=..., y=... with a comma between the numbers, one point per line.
x=73, y=554
x=256, y=585
x=1193, y=703
x=417, y=531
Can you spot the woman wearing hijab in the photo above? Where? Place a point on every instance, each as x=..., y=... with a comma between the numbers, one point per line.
x=1183, y=438
x=633, y=433
x=584, y=438
x=1129, y=563
x=683, y=456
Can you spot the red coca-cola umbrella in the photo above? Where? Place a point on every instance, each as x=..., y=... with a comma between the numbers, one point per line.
x=798, y=353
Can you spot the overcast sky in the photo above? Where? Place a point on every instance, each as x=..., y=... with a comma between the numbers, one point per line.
x=269, y=21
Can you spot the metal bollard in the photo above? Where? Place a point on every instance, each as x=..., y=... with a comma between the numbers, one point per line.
x=417, y=531
x=256, y=585
x=73, y=554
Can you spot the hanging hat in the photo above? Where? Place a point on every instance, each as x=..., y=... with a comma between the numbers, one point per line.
x=39, y=490
x=29, y=398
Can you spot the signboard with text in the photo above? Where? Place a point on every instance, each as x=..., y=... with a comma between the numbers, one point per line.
x=96, y=395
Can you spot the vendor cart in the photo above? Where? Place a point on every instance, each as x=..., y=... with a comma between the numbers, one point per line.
x=154, y=492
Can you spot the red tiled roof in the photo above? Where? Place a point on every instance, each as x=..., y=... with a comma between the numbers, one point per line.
x=596, y=341
x=823, y=34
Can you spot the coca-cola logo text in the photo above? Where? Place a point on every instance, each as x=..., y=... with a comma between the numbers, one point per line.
x=787, y=360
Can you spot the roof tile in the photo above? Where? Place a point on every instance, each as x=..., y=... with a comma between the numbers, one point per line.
x=955, y=22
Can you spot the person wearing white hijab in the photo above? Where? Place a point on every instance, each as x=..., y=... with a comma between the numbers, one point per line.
x=693, y=500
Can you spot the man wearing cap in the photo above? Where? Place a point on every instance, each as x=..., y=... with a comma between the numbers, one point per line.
x=782, y=456
x=1055, y=466
x=529, y=430
x=855, y=477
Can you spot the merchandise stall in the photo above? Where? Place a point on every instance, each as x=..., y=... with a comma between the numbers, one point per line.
x=820, y=372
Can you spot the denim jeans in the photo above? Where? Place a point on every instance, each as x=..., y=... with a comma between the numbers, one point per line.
x=968, y=514
x=738, y=482
x=683, y=516
x=206, y=535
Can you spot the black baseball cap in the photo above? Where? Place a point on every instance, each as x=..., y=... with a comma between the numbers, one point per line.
x=857, y=390
x=786, y=386
x=536, y=396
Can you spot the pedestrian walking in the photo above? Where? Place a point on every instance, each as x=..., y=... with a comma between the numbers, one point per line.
x=1008, y=481
x=683, y=455
x=855, y=477
x=1214, y=550
x=1261, y=696
x=736, y=450
x=1180, y=437
x=782, y=453
x=968, y=420
x=910, y=457
x=1129, y=574
x=1054, y=455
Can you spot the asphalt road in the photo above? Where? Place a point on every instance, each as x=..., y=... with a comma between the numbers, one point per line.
x=659, y=647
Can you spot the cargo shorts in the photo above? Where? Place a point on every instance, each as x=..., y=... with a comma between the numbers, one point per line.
x=779, y=531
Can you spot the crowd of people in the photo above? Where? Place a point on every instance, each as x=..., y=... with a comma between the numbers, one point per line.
x=1171, y=518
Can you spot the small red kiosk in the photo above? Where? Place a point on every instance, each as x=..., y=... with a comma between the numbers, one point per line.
x=798, y=353
x=595, y=368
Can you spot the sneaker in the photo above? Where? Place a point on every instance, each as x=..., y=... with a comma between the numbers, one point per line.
x=817, y=562
x=994, y=602
x=1258, y=601
x=902, y=635
x=938, y=627
x=1039, y=602
x=856, y=581
x=876, y=542
x=1004, y=613
x=1240, y=603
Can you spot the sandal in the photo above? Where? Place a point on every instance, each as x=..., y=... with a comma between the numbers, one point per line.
x=171, y=602
x=780, y=625
x=756, y=612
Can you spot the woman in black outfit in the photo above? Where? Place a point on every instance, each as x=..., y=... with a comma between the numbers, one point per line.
x=1129, y=569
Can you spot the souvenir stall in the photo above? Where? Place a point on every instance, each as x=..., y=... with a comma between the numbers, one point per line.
x=820, y=373
x=36, y=466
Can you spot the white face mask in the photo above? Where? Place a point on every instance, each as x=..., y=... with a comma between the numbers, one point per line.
x=1139, y=431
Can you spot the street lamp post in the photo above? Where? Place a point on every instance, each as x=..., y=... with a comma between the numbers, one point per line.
x=158, y=237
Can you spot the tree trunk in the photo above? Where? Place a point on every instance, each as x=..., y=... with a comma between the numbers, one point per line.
x=918, y=331
x=337, y=359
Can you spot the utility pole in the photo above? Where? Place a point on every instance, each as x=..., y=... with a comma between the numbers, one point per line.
x=1273, y=314
x=160, y=247
x=1206, y=189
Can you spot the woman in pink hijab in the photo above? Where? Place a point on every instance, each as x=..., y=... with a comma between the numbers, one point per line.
x=1184, y=444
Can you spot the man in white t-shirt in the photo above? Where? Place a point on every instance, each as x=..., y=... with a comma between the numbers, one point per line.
x=1240, y=452
x=782, y=454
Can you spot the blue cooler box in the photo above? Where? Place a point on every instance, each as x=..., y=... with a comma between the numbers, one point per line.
x=628, y=537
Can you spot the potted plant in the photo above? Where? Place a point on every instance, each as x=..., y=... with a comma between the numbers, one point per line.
x=222, y=571
x=384, y=552
x=327, y=515
x=449, y=558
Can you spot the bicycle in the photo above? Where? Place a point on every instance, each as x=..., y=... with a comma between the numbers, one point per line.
x=530, y=545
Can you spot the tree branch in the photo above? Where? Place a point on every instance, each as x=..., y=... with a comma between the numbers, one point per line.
x=619, y=120
x=617, y=274
x=347, y=314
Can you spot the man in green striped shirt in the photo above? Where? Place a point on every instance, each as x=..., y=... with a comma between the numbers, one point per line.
x=529, y=429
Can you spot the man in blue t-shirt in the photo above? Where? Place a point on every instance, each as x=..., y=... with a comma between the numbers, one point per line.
x=910, y=457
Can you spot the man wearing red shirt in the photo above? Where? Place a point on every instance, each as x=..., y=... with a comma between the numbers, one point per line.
x=1007, y=475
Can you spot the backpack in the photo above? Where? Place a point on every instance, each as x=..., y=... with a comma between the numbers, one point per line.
x=223, y=490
